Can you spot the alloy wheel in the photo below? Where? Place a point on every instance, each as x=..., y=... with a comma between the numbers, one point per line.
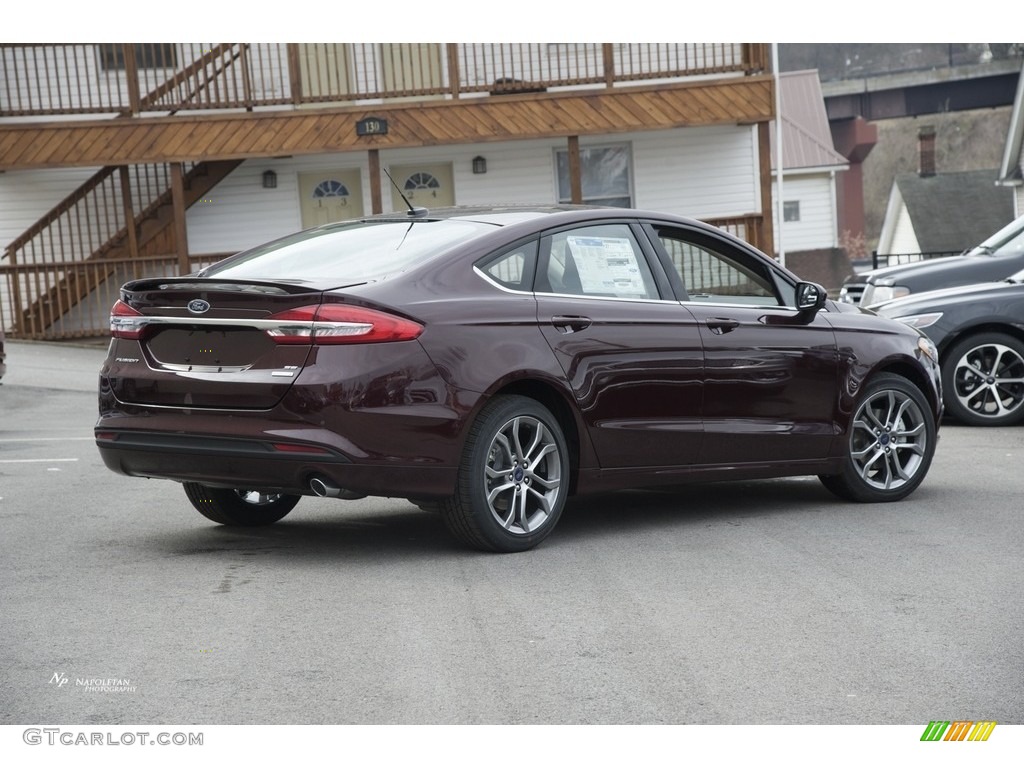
x=522, y=475
x=889, y=441
x=988, y=381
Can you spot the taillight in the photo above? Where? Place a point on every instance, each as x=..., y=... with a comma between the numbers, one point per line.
x=125, y=322
x=340, y=324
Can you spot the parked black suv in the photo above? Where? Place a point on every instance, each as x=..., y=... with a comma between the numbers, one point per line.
x=997, y=258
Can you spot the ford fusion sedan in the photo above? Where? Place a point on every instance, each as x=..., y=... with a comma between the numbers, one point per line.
x=487, y=364
x=979, y=331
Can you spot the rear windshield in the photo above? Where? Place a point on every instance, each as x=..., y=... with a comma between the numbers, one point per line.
x=355, y=253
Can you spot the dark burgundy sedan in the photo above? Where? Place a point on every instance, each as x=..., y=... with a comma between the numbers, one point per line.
x=489, y=363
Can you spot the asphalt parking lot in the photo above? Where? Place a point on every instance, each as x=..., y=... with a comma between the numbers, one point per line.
x=763, y=602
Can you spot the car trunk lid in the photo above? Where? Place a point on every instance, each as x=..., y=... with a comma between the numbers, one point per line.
x=190, y=342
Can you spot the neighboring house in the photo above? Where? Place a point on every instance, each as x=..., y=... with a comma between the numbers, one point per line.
x=810, y=230
x=938, y=213
x=121, y=160
x=1011, y=170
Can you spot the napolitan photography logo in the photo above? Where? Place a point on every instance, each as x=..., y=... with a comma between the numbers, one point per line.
x=958, y=730
x=59, y=679
x=96, y=684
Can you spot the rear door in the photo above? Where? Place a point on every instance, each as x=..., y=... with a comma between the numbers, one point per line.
x=209, y=344
x=631, y=353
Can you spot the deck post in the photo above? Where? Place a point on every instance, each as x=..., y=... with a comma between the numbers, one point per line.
x=575, y=175
x=180, y=228
x=376, y=201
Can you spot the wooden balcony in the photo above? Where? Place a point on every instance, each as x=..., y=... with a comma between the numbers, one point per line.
x=155, y=103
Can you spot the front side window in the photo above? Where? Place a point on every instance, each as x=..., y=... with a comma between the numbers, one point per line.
x=604, y=174
x=711, y=274
x=599, y=261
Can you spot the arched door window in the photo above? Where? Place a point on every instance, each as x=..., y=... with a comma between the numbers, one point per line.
x=421, y=182
x=330, y=188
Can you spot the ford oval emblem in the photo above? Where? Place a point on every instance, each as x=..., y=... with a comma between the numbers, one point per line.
x=198, y=306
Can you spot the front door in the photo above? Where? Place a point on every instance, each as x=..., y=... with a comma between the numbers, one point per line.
x=427, y=186
x=770, y=371
x=328, y=196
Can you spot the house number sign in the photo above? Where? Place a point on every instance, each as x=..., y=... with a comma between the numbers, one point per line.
x=371, y=126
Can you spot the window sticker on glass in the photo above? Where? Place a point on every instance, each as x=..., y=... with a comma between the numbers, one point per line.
x=607, y=265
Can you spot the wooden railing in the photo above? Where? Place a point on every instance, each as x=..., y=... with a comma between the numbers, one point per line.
x=70, y=79
x=74, y=253
x=749, y=228
x=89, y=220
x=99, y=279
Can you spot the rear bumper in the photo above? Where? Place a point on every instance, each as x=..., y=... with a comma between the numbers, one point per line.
x=260, y=464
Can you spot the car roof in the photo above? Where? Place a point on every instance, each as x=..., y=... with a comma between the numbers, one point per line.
x=521, y=213
x=499, y=215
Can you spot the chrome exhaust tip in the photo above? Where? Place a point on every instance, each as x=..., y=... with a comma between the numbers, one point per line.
x=327, y=489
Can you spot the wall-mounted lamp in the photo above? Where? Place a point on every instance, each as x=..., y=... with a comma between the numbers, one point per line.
x=479, y=165
x=269, y=180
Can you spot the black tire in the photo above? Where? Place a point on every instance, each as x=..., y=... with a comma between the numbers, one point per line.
x=889, y=444
x=229, y=506
x=983, y=380
x=513, y=478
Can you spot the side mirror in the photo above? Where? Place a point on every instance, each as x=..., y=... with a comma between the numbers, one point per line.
x=810, y=297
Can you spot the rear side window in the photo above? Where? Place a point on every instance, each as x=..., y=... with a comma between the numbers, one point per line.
x=596, y=261
x=513, y=268
x=355, y=252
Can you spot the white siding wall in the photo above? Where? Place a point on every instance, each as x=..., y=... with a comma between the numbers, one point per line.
x=25, y=196
x=904, y=239
x=817, y=225
x=700, y=172
x=241, y=213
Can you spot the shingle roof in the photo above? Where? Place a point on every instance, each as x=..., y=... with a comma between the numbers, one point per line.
x=955, y=211
x=806, y=138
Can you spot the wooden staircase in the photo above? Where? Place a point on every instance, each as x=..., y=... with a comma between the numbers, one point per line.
x=154, y=235
x=87, y=239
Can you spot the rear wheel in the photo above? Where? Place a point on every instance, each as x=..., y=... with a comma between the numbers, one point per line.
x=889, y=445
x=983, y=380
x=513, y=478
x=235, y=506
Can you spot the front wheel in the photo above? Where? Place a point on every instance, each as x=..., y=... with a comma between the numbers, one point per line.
x=889, y=445
x=236, y=506
x=513, y=478
x=983, y=380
